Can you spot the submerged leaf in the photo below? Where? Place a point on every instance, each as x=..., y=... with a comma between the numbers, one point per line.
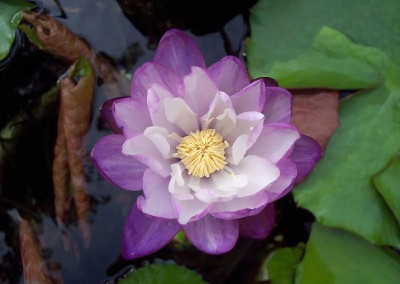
x=162, y=274
x=388, y=184
x=35, y=270
x=335, y=256
x=315, y=114
x=10, y=16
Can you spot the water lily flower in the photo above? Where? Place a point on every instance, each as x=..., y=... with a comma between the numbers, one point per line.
x=210, y=149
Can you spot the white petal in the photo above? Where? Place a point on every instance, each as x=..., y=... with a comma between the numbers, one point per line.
x=179, y=113
x=177, y=185
x=190, y=210
x=259, y=172
x=160, y=139
x=220, y=103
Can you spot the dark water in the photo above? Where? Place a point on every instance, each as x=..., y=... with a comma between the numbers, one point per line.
x=26, y=177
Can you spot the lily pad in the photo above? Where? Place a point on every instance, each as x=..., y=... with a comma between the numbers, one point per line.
x=162, y=274
x=334, y=256
x=388, y=185
x=10, y=16
x=284, y=30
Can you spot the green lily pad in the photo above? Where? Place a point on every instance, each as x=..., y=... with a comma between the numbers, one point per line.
x=284, y=30
x=334, y=256
x=10, y=16
x=388, y=185
x=162, y=274
x=281, y=266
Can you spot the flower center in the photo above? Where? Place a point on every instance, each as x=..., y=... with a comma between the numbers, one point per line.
x=202, y=152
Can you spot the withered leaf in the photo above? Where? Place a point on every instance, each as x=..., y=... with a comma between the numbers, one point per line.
x=35, y=270
x=315, y=113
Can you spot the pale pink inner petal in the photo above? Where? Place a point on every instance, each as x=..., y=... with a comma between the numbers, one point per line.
x=144, y=151
x=131, y=116
x=225, y=122
x=179, y=113
x=198, y=90
x=219, y=104
x=177, y=185
x=251, y=98
x=284, y=183
x=190, y=210
x=229, y=74
x=259, y=172
x=275, y=141
x=157, y=201
x=161, y=140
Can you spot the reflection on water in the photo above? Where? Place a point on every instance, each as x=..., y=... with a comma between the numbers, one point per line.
x=25, y=177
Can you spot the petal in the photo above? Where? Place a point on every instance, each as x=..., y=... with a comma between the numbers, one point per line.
x=259, y=172
x=278, y=105
x=240, y=207
x=177, y=185
x=179, y=113
x=143, y=235
x=131, y=116
x=107, y=114
x=144, y=151
x=269, y=82
x=198, y=90
x=190, y=210
x=251, y=98
x=160, y=138
x=258, y=226
x=275, y=142
x=121, y=170
x=306, y=153
x=157, y=200
x=212, y=235
x=229, y=74
x=178, y=52
x=156, y=96
x=149, y=74
x=283, y=185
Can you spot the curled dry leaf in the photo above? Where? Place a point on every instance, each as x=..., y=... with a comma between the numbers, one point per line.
x=60, y=41
x=35, y=270
x=75, y=105
x=315, y=113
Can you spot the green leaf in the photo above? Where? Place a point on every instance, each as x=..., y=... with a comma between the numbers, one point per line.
x=281, y=266
x=339, y=191
x=82, y=68
x=338, y=257
x=283, y=32
x=388, y=185
x=10, y=16
x=32, y=35
x=162, y=274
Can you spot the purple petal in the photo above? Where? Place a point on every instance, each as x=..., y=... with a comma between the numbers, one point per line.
x=178, y=52
x=121, y=170
x=150, y=74
x=269, y=82
x=306, y=153
x=283, y=185
x=250, y=98
x=229, y=74
x=157, y=200
x=107, y=114
x=131, y=116
x=212, y=235
x=143, y=235
x=278, y=105
x=260, y=225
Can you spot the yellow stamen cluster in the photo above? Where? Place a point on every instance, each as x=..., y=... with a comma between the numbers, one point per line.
x=202, y=152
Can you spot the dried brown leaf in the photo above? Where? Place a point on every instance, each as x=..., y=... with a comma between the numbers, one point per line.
x=315, y=113
x=35, y=270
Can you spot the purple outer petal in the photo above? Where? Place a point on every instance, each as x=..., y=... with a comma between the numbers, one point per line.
x=229, y=74
x=212, y=235
x=149, y=74
x=278, y=105
x=250, y=98
x=260, y=225
x=179, y=52
x=269, y=82
x=121, y=170
x=107, y=114
x=285, y=182
x=143, y=235
x=306, y=153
